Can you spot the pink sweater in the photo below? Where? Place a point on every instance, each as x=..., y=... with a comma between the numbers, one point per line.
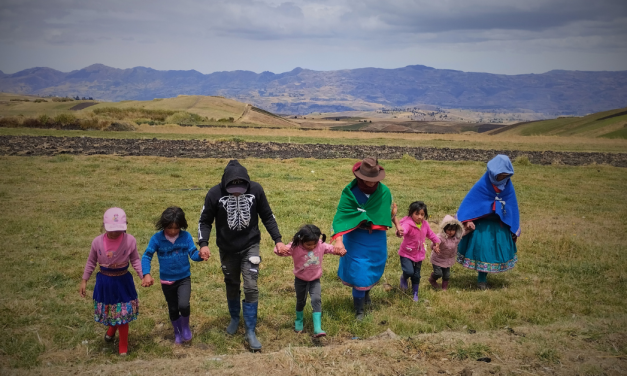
x=448, y=251
x=127, y=252
x=412, y=246
x=308, y=264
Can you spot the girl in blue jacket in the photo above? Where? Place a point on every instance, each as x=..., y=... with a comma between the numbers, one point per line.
x=174, y=246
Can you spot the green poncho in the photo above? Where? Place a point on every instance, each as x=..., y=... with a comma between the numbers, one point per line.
x=376, y=210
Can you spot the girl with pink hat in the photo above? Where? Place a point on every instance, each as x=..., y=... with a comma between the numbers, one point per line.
x=115, y=297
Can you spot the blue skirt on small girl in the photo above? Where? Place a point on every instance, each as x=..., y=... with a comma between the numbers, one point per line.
x=115, y=297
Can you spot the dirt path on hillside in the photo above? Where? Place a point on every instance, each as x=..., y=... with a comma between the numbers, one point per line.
x=558, y=349
x=47, y=145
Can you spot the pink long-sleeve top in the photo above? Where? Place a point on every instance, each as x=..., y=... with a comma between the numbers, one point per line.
x=414, y=237
x=113, y=253
x=307, y=264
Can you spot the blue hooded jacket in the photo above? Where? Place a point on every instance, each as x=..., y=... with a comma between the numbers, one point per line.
x=479, y=200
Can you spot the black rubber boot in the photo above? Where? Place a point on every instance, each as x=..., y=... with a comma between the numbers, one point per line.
x=359, y=308
x=234, y=309
x=250, y=321
x=368, y=301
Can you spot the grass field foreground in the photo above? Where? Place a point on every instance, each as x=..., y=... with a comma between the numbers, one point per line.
x=572, y=255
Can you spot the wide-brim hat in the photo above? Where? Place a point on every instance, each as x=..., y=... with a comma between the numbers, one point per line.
x=369, y=170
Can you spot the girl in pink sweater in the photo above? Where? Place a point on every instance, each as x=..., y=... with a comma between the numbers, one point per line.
x=307, y=251
x=414, y=230
x=115, y=297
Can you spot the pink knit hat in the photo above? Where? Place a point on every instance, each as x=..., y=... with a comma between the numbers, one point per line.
x=114, y=220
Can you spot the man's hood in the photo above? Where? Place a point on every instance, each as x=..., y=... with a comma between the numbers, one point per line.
x=232, y=171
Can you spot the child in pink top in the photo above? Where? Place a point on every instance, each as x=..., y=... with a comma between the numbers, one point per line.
x=451, y=232
x=307, y=251
x=414, y=229
x=115, y=297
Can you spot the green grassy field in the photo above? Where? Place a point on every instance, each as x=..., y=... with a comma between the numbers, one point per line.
x=572, y=257
x=609, y=124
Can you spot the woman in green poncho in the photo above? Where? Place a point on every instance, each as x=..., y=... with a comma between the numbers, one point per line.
x=359, y=226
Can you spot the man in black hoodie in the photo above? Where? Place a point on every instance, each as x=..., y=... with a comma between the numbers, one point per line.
x=236, y=204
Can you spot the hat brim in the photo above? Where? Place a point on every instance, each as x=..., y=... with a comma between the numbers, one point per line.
x=237, y=189
x=377, y=178
x=115, y=226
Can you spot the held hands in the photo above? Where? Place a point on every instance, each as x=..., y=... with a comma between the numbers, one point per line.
x=204, y=253
x=338, y=247
x=82, y=288
x=147, y=281
x=400, y=232
x=436, y=247
x=282, y=248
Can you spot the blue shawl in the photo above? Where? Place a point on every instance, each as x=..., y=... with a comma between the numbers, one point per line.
x=479, y=200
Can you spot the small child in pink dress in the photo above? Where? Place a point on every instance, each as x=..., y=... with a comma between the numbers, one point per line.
x=307, y=251
x=442, y=259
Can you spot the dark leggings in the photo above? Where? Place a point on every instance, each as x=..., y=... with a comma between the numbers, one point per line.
x=411, y=269
x=177, y=296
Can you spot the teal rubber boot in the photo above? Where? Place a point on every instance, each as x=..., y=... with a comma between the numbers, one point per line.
x=317, y=321
x=298, y=323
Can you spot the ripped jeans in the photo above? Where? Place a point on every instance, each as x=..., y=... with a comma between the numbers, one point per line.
x=236, y=263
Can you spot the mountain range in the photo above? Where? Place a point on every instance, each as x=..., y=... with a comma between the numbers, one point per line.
x=303, y=91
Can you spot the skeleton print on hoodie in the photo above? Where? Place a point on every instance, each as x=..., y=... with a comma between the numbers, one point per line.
x=236, y=217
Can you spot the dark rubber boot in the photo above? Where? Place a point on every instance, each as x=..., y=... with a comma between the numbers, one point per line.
x=368, y=301
x=434, y=282
x=359, y=308
x=444, y=285
x=403, y=283
x=234, y=310
x=250, y=321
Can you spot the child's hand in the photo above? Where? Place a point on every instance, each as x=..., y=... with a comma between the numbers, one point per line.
x=82, y=288
x=147, y=281
x=436, y=248
x=204, y=253
x=338, y=247
x=400, y=232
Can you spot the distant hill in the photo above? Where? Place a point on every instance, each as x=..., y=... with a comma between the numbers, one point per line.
x=209, y=107
x=609, y=124
x=553, y=93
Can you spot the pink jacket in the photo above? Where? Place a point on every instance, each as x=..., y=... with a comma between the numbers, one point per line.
x=307, y=264
x=127, y=252
x=448, y=246
x=412, y=246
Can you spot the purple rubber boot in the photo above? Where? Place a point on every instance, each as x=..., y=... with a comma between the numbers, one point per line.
x=434, y=282
x=186, y=332
x=415, y=290
x=444, y=285
x=177, y=331
x=403, y=283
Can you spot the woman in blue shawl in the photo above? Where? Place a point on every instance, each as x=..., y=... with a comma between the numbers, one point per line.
x=490, y=213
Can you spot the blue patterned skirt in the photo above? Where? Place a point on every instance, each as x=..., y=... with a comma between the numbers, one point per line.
x=364, y=262
x=115, y=297
x=489, y=248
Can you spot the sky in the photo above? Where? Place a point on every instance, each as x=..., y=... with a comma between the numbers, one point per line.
x=494, y=36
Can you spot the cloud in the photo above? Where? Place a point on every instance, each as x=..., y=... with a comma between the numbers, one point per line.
x=370, y=26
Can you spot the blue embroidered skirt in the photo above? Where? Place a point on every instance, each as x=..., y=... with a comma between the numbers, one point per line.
x=115, y=297
x=364, y=262
x=489, y=248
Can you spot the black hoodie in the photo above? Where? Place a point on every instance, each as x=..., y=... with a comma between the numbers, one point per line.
x=237, y=218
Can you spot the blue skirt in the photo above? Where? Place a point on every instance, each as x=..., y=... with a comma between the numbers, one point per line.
x=364, y=262
x=489, y=248
x=115, y=298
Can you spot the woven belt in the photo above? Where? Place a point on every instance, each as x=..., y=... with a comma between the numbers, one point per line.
x=113, y=273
